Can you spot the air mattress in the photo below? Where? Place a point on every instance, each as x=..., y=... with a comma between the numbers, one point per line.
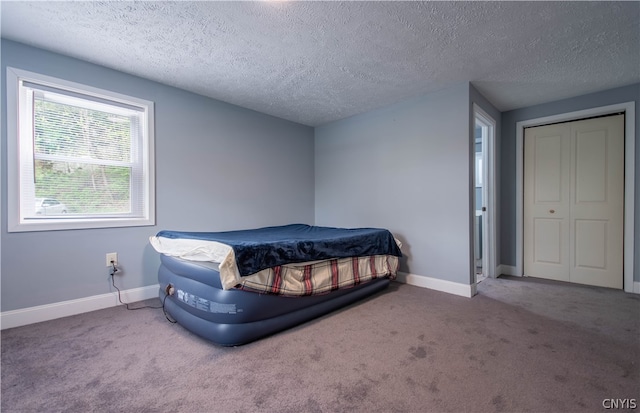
x=235, y=317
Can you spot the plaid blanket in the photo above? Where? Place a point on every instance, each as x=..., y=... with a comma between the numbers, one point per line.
x=321, y=276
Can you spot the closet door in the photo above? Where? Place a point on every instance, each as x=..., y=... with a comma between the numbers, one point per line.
x=574, y=200
x=547, y=172
x=597, y=201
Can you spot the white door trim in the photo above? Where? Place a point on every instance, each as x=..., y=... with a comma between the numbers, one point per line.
x=629, y=178
x=491, y=202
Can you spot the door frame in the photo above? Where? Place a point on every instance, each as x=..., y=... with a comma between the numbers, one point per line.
x=629, y=179
x=489, y=194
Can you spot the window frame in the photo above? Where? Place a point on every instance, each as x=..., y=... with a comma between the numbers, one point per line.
x=16, y=222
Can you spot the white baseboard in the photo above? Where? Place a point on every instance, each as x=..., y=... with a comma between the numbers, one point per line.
x=437, y=284
x=31, y=315
x=24, y=316
x=507, y=270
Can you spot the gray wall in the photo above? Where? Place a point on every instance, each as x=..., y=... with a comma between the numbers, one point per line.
x=218, y=167
x=508, y=159
x=406, y=168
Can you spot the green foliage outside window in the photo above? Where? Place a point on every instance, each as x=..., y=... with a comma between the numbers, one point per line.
x=82, y=157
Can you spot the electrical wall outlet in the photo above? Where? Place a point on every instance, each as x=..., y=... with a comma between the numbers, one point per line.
x=112, y=256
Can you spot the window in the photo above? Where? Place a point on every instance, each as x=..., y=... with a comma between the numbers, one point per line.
x=78, y=157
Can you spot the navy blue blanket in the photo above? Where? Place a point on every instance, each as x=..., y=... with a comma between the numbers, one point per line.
x=258, y=249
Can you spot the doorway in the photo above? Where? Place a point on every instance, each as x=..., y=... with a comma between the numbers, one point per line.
x=574, y=201
x=484, y=196
x=629, y=110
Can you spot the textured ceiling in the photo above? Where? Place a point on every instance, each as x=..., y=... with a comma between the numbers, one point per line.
x=315, y=62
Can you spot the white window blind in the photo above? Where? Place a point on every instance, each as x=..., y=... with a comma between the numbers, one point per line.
x=84, y=159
